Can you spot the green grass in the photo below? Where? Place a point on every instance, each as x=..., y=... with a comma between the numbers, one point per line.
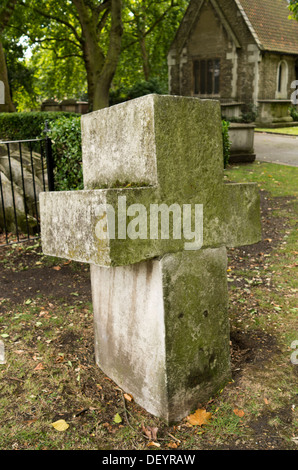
x=283, y=130
x=278, y=180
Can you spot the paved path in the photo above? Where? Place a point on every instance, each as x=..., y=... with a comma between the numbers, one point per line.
x=276, y=148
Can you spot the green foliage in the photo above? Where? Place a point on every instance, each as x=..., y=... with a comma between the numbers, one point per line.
x=226, y=142
x=19, y=126
x=149, y=29
x=67, y=152
x=293, y=7
x=139, y=89
x=294, y=113
x=55, y=63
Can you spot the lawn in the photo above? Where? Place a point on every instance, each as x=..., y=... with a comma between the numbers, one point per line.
x=50, y=374
x=282, y=130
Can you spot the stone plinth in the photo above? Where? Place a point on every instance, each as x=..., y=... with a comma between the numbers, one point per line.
x=274, y=113
x=242, y=143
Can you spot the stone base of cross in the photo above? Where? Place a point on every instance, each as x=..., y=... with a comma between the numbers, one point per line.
x=154, y=222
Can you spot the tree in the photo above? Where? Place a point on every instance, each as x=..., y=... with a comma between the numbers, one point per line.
x=293, y=7
x=119, y=42
x=6, y=12
x=88, y=29
x=149, y=28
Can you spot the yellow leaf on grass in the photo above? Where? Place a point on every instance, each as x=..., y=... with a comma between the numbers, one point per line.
x=60, y=425
x=199, y=418
x=117, y=419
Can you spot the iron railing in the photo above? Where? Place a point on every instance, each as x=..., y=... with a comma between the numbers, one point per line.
x=26, y=169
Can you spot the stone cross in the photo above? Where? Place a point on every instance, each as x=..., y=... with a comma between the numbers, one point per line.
x=159, y=283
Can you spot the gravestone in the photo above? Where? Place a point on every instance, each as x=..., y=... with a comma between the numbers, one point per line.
x=159, y=286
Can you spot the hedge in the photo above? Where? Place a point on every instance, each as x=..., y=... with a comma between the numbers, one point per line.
x=65, y=134
x=20, y=126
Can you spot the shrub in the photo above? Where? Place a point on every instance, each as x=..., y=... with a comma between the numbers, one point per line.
x=294, y=113
x=139, y=89
x=67, y=152
x=20, y=126
x=226, y=142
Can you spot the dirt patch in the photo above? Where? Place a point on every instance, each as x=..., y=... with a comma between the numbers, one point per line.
x=270, y=426
x=250, y=347
x=66, y=283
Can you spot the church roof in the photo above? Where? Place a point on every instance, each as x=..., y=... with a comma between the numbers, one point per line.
x=269, y=22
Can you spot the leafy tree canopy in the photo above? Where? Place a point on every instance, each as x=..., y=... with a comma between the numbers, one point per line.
x=293, y=7
x=80, y=47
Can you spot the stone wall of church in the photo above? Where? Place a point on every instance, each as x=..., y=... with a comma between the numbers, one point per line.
x=269, y=75
x=225, y=37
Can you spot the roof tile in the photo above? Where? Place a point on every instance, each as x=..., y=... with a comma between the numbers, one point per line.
x=271, y=23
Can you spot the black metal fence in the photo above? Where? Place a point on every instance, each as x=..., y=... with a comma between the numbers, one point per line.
x=26, y=169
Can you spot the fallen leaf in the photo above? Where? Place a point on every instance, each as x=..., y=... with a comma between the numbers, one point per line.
x=199, y=418
x=60, y=425
x=172, y=445
x=151, y=443
x=239, y=413
x=57, y=268
x=117, y=419
x=128, y=397
x=266, y=401
x=39, y=366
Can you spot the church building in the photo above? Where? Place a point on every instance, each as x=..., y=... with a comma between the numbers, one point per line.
x=241, y=52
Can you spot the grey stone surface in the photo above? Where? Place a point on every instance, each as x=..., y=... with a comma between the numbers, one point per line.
x=162, y=330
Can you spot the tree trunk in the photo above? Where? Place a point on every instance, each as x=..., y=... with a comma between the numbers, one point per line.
x=145, y=58
x=8, y=106
x=100, y=68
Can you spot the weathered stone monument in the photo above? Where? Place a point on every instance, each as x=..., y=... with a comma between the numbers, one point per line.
x=159, y=288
